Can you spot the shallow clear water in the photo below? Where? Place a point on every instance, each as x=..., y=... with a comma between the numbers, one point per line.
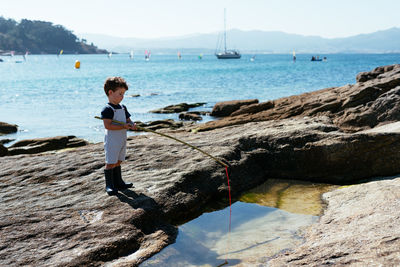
x=46, y=96
x=265, y=221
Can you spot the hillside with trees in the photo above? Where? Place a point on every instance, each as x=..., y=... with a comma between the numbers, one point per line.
x=41, y=37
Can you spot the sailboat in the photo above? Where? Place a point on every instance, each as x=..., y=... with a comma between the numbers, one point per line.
x=227, y=54
x=147, y=55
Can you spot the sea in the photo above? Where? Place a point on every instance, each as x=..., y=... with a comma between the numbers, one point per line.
x=46, y=96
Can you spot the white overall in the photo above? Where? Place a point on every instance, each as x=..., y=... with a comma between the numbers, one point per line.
x=115, y=140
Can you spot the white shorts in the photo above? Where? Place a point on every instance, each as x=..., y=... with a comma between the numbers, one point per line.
x=115, y=151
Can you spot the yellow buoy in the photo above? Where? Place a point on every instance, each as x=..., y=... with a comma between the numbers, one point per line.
x=77, y=64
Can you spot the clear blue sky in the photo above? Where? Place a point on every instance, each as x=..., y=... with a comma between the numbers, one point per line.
x=165, y=18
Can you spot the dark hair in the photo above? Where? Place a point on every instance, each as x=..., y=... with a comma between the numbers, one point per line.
x=112, y=83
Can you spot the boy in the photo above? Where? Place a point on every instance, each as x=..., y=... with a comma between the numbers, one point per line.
x=115, y=134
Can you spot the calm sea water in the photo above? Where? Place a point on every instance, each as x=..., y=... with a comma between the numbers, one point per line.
x=46, y=96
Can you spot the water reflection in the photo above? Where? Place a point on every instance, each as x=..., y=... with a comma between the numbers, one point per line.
x=259, y=229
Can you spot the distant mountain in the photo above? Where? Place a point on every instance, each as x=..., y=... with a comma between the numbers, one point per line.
x=40, y=37
x=386, y=41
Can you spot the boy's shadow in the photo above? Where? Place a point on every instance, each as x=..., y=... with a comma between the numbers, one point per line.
x=153, y=217
x=136, y=201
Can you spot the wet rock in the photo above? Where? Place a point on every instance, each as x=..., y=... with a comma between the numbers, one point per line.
x=352, y=108
x=177, y=108
x=190, y=116
x=226, y=108
x=34, y=146
x=6, y=128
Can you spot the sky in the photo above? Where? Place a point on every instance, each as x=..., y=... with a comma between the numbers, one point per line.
x=170, y=18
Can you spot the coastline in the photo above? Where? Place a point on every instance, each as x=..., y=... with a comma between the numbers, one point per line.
x=172, y=81
x=55, y=203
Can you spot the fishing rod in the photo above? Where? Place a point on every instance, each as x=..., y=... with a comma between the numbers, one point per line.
x=173, y=138
x=198, y=149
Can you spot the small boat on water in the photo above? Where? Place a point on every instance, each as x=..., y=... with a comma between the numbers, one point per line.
x=147, y=55
x=313, y=58
x=227, y=54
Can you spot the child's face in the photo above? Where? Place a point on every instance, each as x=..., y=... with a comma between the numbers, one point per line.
x=117, y=96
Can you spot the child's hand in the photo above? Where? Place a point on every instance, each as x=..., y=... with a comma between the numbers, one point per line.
x=130, y=126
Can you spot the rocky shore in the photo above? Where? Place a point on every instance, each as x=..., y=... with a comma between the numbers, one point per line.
x=359, y=228
x=55, y=211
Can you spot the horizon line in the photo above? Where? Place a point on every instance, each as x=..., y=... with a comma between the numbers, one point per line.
x=232, y=29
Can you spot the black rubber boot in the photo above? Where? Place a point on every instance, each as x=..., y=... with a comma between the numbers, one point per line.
x=109, y=182
x=118, y=182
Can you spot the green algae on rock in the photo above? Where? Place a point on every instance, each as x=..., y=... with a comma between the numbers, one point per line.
x=289, y=195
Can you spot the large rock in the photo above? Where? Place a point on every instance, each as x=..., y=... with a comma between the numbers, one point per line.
x=370, y=75
x=253, y=108
x=39, y=145
x=360, y=227
x=226, y=108
x=55, y=203
x=352, y=108
x=6, y=128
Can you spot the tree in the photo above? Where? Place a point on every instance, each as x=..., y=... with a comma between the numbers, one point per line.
x=40, y=37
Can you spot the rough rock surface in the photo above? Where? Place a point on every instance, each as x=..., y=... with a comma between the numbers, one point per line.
x=359, y=228
x=372, y=101
x=226, y=108
x=55, y=210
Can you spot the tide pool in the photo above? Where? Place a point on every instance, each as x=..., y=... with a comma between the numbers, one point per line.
x=266, y=220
